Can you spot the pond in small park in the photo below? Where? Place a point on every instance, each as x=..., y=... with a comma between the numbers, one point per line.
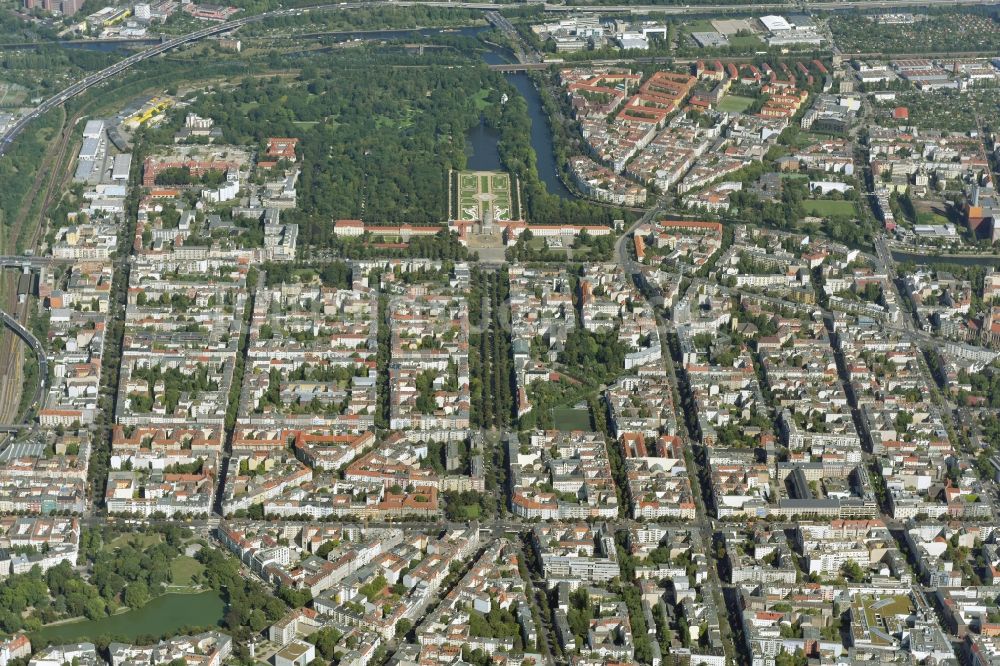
x=164, y=614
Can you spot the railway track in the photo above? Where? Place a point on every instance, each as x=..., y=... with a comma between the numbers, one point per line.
x=13, y=377
x=57, y=183
x=11, y=239
x=10, y=373
x=49, y=182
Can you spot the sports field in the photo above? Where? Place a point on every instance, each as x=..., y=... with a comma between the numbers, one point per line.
x=735, y=103
x=568, y=419
x=483, y=196
x=828, y=207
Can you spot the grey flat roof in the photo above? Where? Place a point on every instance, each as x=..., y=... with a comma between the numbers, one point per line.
x=84, y=169
x=123, y=164
x=22, y=450
x=89, y=148
x=93, y=127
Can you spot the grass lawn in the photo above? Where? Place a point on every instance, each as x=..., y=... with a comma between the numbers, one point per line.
x=931, y=218
x=828, y=207
x=385, y=122
x=745, y=41
x=183, y=569
x=569, y=418
x=803, y=139
x=735, y=103
x=500, y=183
x=139, y=540
x=472, y=511
x=480, y=99
x=703, y=25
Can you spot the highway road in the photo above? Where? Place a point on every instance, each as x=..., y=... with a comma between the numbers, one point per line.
x=99, y=77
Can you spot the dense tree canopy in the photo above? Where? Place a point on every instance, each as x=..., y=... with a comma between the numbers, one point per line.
x=377, y=139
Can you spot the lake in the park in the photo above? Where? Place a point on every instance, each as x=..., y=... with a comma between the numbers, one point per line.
x=165, y=614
